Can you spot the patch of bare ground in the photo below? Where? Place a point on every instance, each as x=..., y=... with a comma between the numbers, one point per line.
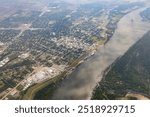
x=135, y=96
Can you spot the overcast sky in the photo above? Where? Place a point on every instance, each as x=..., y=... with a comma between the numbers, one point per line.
x=89, y=1
x=84, y=1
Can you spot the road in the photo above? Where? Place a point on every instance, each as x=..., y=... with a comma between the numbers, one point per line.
x=12, y=89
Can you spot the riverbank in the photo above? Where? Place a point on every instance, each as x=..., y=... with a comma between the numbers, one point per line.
x=84, y=79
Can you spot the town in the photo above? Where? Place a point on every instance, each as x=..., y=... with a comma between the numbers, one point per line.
x=39, y=45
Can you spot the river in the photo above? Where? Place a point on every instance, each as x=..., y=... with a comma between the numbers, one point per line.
x=82, y=81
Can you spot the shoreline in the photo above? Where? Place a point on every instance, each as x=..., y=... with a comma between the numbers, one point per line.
x=110, y=66
x=85, y=78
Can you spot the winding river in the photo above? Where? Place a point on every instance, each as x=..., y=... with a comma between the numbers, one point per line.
x=80, y=84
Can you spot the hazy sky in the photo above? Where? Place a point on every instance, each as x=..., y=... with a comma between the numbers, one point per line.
x=84, y=1
x=89, y=1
